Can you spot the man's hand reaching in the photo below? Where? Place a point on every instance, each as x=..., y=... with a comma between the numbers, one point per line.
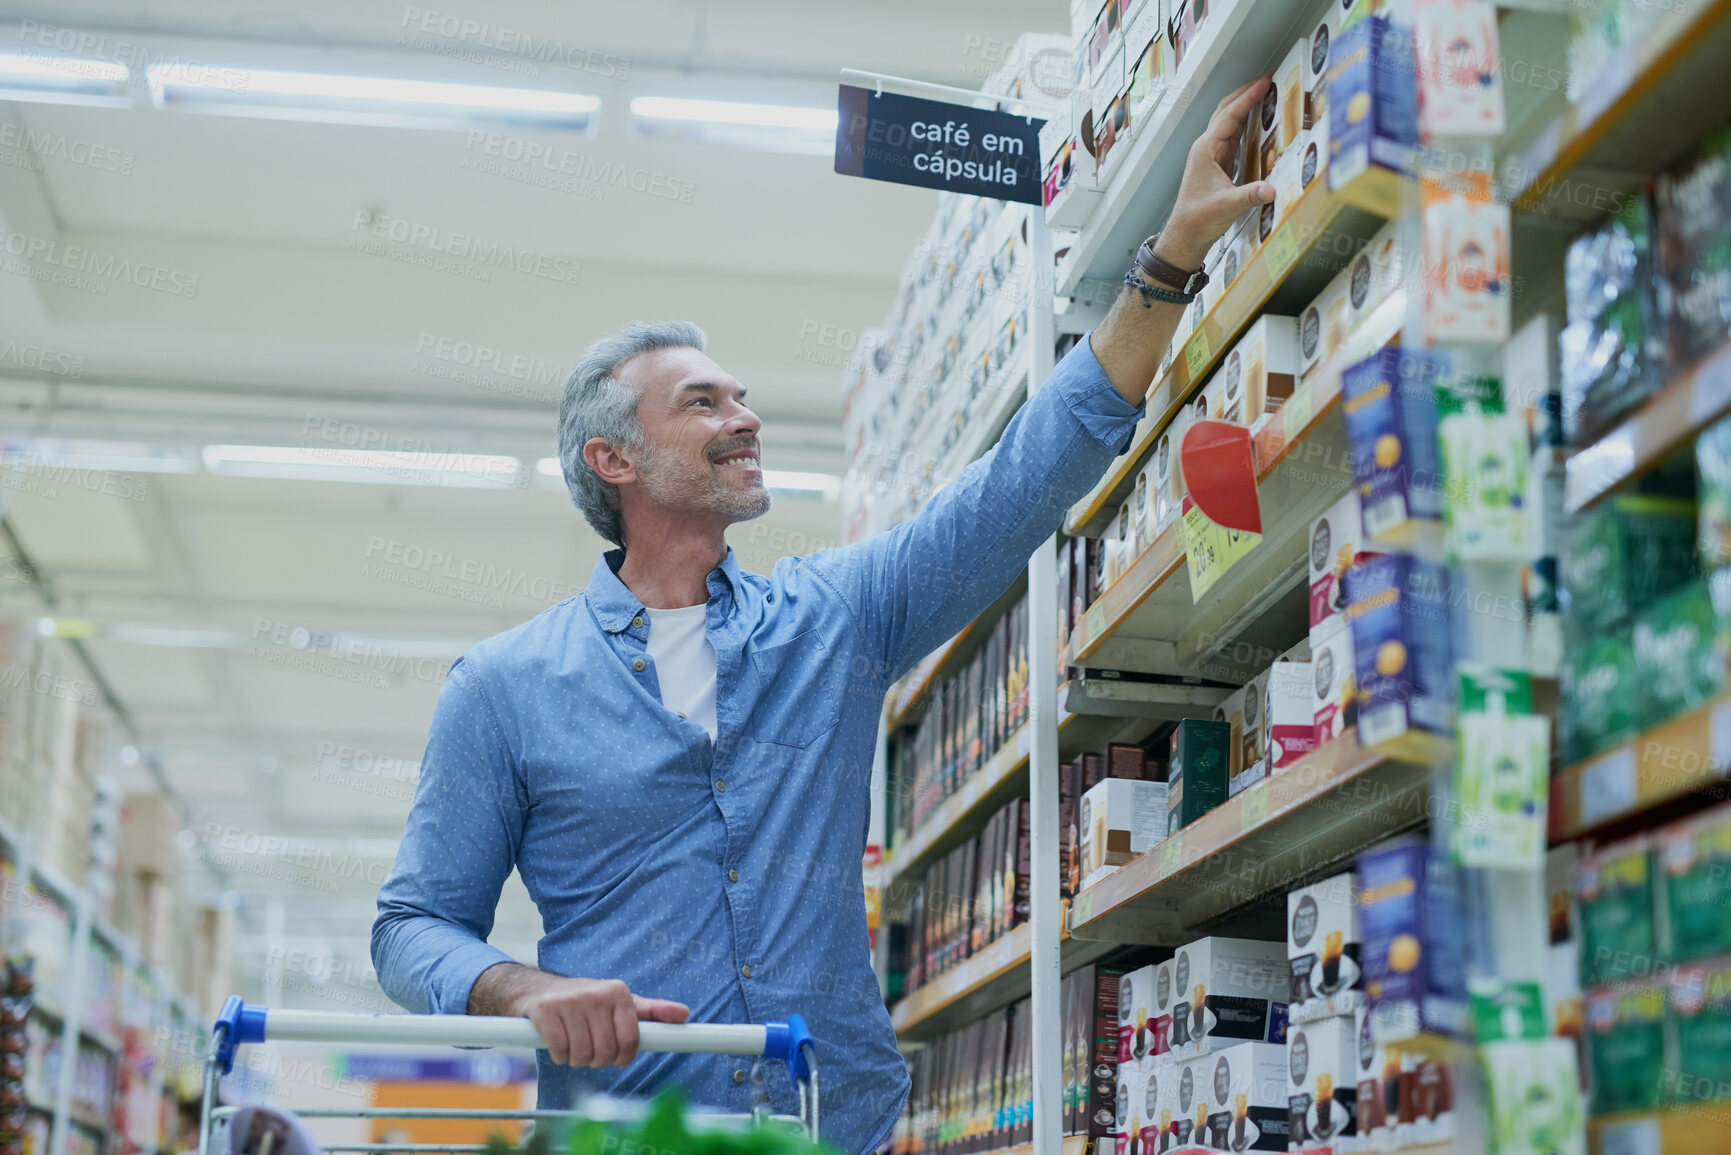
x=584, y=1022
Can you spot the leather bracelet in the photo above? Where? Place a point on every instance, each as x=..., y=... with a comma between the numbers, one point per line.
x=1160, y=269
x=1170, y=296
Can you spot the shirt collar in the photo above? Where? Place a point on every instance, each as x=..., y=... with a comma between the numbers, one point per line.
x=613, y=603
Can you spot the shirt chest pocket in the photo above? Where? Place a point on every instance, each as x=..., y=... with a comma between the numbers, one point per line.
x=799, y=690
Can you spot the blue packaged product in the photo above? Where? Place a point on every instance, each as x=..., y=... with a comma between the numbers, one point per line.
x=1398, y=608
x=1372, y=101
x=1414, y=965
x=1389, y=400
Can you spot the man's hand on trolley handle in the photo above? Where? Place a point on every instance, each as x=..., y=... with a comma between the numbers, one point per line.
x=584, y=1022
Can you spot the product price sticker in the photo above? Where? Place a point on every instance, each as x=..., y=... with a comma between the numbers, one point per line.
x=1196, y=355
x=1081, y=909
x=1608, y=786
x=1096, y=622
x=1297, y=412
x=1253, y=807
x=1282, y=253
x=1172, y=855
x=1210, y=549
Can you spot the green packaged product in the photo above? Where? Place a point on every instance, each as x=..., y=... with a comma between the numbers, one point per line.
x=1678, y=662
x=1197, y=779
x=1700, y=1005
x=1693, y=215
x=1622, y=556
x=1614, y=899
x=1599, y=698
x=1695, y=882
x=1610, y=355
x=1484, y=457
x=1626, y=1030
x=1713, y=491
x=1534, y=1095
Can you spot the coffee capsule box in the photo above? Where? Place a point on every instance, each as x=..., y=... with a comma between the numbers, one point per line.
x=1154, y=1077
x=1679, y=664
x=1227, y=990
x=1168, y=480
x=1244, y=1096
x=1188, y=1105
x=1324, y=324
x=1279, y=120
x=1615, y=912
x=1627, y=1044
x=1412, y=953
x=1695, y=882
x=1389, y=400
x=1336, y=544
x=1288, y=724
x=1258, y=373
x=1372, y=105
x=1622, y=556
x=1334, y=685
x=1322, y=1084
x=1118, y=819
x=1323, y=949
x=1145, y=1000
x=1100, y=1109
x=1398, y=607
x=1132, y=1117
x=1426, y=1106
x=1197, y=773
x=1373, y=1119
x=1699, y=1001
x=1600, y=702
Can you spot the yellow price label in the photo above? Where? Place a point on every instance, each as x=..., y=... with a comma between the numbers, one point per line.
x=1172, y=854
x=1196, y=354
x=1253, y=807
x=1282, y=252
x=1210, y=550
x=1082, y=909
x=1096, y=622
x=1296, y=413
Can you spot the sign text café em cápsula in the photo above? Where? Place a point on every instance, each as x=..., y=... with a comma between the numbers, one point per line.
x=935, y=144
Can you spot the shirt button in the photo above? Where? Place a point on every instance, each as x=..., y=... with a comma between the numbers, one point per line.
x=637, y=622
x=720, y=786
x=738, y=1075
x=745, y=970
x=637, y=663
x=733, y=876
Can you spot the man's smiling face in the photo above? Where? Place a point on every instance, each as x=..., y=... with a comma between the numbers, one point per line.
x=704, y=454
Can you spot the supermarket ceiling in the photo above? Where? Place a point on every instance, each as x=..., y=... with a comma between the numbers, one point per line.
x=190, y=282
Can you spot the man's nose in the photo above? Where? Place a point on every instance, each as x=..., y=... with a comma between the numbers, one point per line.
x=743, y=421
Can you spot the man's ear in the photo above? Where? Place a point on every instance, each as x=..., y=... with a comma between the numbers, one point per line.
x=610, y=463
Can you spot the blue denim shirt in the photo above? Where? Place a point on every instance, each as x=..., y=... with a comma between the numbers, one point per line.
x=551, y=752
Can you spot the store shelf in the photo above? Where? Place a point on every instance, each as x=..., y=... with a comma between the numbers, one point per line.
x=977, y=986
x=1672, y=418
x=906, y=694
x=1354, y=212
x=1245, y=38
x=1127, y=716
x=1302, y=467
x=1646, y=107
x=1658, y=765
x=1242, y=857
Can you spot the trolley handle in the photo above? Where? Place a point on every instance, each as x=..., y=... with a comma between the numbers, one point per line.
x=240, y=1023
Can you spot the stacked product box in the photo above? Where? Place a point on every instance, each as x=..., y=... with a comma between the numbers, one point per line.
x=1326, y=1009
x=1336, y=545
x=970, y=898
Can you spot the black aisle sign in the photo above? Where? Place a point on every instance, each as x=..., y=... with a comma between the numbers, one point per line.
x=907, y=140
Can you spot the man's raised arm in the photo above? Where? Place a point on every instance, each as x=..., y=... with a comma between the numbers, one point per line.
x=916, y=585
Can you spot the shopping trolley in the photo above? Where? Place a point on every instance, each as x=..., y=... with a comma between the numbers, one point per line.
x=789, y=1042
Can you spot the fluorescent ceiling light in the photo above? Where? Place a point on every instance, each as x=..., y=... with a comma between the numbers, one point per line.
x=374, y=466
x=369, y=100
x=191, y=639
x=550, y=467
x=770, y=127
x=64, y=80
x=120, y=456
x=824, y=485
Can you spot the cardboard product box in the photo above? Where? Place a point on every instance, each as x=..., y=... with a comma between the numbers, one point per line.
x=1485, y=456
x=1197, y=772
x=1694, y=858
x=1101, y=1108
x=1288, y=723
x=1285, y=177
x=1398, y=607
x=1260, y=371
x=1242, y=713
x=1323, y=949
x=1322, y=325
x=1186, y=27
x=1318, y=46
x=1227, y=990
x=1616, y=912
x=1693, y=216
x=1412, y=952
x=1334, y=684
x=1244, y=1092
x=1713, y=490
x=1119, y=819
x=1068, y=191
x=1622, y=555
x=1533, y=1095
x=149, y=829
x=1599, y=699
x=1279, y=119
x=1460, y=92
x=1169, y=489
x=1427, y=1109
x=1699, y=1003
x=1322, y=1084
x=1144, y=1012
x=1372, y=1118
x=1142, y=510
x=1467, y=238
x=1235, y=252
x=1377, y=272
x=1628, y=1045
x=1111, y=128
x=1389, y=400
x=1372, y=105
x=1679, y=663
x=1125, y=761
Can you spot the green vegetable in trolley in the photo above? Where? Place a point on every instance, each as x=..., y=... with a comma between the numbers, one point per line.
x=663, y=1130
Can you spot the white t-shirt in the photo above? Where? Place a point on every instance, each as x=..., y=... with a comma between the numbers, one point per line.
x=684, y=663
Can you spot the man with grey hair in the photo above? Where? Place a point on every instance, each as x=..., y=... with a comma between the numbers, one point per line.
x=677, y=760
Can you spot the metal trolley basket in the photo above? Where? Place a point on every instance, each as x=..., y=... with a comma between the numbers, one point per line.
x=239, y=1023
